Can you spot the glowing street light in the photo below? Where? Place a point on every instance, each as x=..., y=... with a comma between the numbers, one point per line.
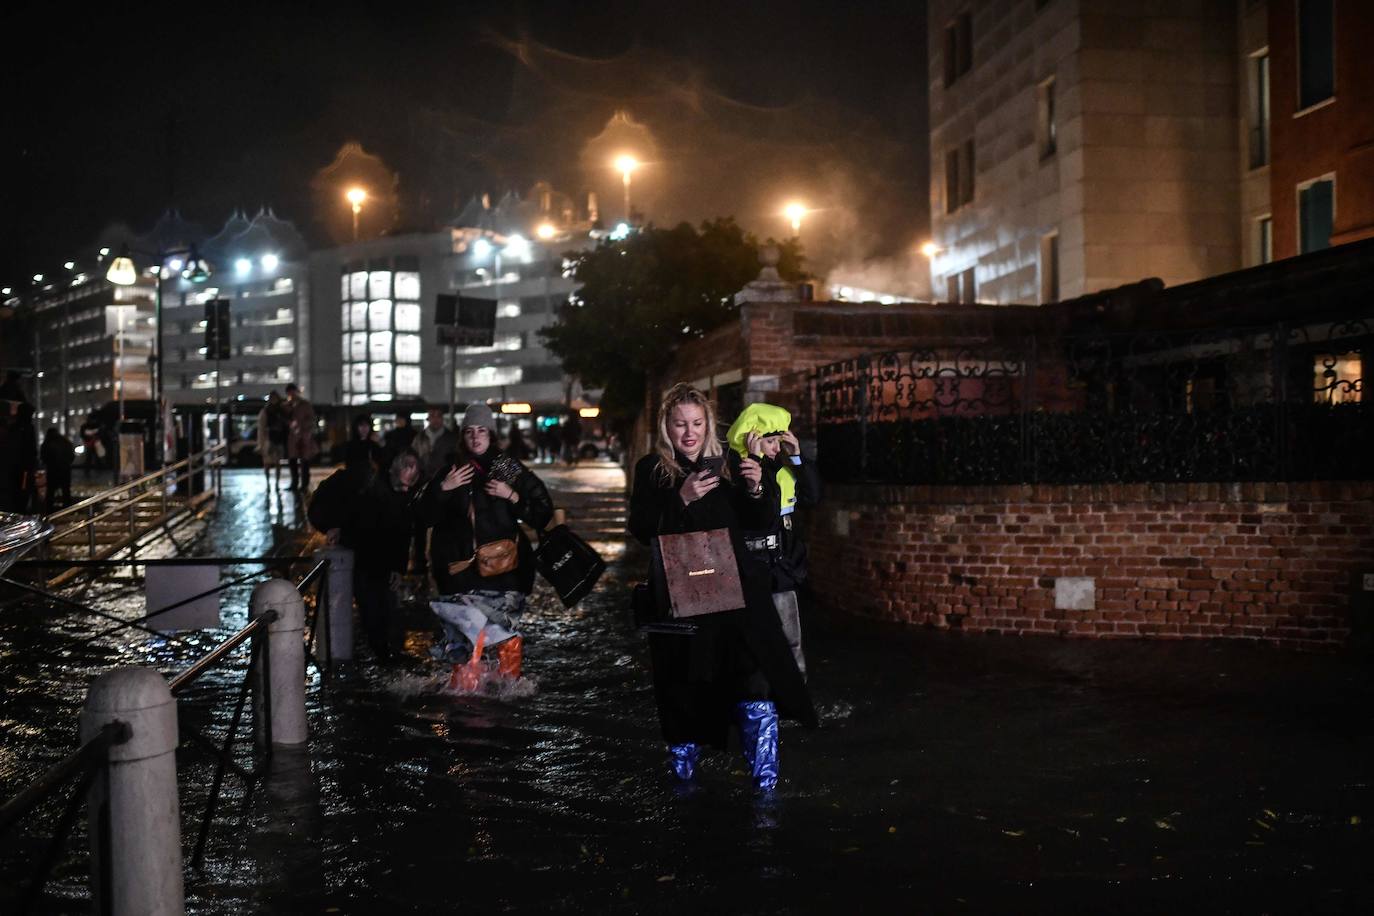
x=356, y=197
x=625, y=164
x=794, y=212
x=930, y=249
x=545, y=231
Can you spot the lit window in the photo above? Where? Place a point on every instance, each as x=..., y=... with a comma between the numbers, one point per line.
x=1046, y=129
x=407, y=348
x=408, y=381
x=344, y=315
x=357, y=285
x=379, y=284
x=407, y=284
x=379, y=346
x=343, y=288
x=379, y=315
x=487, y=376
x=508, y=310
x=358, y=316
x=357, y=348
x=358, y=374
x=1339, y=378
x=407, y=316
x=379, y=378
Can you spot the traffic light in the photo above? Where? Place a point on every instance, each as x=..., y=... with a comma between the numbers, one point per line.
x=217, y=329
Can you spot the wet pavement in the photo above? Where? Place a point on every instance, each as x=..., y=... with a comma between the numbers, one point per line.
x=952, y=772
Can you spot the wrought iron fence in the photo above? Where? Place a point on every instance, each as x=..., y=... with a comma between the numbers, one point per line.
x=1282, y=402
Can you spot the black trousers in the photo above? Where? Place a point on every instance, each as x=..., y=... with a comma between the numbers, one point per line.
x=300, y=479
x=376, y=606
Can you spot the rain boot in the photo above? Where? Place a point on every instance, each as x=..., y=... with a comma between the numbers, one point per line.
x=509, y=656
x=758, y=732
x=683, y=759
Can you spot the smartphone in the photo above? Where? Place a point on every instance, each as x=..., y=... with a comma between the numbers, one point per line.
x=714, y=465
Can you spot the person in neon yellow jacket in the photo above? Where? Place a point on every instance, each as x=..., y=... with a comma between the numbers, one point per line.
x=763, y=432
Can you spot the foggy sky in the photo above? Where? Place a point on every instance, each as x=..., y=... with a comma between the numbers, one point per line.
x=736, y=107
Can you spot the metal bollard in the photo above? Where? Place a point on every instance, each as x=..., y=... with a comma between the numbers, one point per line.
x=279, y=693
x=336, y=637
x=134, y=810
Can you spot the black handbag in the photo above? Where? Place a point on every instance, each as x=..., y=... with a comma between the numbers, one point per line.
x=568, y=563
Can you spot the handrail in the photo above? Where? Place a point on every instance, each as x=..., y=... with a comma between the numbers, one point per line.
x=207, y=661
x=142, y=481
x=89, y=754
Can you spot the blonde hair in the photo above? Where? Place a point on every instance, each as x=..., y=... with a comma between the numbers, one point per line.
x=668, y=470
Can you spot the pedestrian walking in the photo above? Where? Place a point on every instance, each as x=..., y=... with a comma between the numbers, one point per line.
x=515, y=444
x=482, y=563
x=436, y=445
x=301, y=447
x=18, y=447
x=736, y=665
x=379, y=533
x=273, y=429
x=762, y=432
x=572, y=438
x=58, y=455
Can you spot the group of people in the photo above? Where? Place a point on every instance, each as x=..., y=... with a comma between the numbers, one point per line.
x=286, y=430
x=21, y=456
x=461, y=501
x=469, y=500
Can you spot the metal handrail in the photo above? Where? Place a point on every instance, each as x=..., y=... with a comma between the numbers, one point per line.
x=206, y=662
x=89, y=754
x=142, y=481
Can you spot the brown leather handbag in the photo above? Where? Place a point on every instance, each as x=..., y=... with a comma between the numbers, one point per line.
x=701, y=572
x=494, y=558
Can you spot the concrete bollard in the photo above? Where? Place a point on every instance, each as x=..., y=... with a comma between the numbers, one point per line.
x=286, y=657
x=340, y=642
x=135, y=810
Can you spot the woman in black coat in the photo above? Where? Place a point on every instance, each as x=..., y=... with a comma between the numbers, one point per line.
x=736, y=664
x=481, y=500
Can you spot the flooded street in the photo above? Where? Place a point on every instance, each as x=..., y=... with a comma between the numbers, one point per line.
x=951, y=773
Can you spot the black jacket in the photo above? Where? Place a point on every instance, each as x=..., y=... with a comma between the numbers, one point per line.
x=453, y=538
x=697, y=678
x=787, y=562
x=380, y=527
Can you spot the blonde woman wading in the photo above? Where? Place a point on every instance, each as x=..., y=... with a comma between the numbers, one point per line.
x=736, y=668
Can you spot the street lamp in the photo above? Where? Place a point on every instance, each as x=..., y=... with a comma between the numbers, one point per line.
x=930, y=250
x=356, y=197
x=545, y=231
x=625, y=164
x=794, y=212
x=123, y=273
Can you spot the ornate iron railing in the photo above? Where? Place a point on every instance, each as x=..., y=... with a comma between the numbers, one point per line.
x=1283, y=402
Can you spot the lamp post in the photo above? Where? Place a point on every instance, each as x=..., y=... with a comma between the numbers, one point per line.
x=625, y=165
x=122, y=272
x=357, y=197
x=795, y=212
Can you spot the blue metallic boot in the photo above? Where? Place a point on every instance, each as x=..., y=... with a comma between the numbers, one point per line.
x=758, y=731
x=683, y=759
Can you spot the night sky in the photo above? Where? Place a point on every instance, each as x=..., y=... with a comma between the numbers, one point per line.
x=116, y=115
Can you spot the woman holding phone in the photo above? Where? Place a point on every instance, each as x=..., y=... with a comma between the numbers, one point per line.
x=736, y=666
x=482, y=563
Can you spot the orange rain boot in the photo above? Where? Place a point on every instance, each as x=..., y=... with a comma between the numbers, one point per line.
x=509, y=656
x=466, y=677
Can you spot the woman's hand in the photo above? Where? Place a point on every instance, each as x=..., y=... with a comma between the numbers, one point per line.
x=500, y=489
x=457, y=477
x=753, y=444
x=752, y=472
x=697, y=485
x=789, y=443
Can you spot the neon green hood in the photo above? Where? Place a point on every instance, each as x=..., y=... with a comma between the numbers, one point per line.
x=763, y=419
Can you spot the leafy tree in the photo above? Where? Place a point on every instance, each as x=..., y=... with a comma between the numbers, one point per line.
x=641, y=297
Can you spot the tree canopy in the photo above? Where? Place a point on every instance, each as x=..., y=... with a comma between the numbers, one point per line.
x=641, y=297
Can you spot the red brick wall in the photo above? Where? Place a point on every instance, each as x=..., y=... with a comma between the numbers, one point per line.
x=1267, y=562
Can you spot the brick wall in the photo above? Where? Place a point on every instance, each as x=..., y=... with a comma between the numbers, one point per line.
x=1268, y=562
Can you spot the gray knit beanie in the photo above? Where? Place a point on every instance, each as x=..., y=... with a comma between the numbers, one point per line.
x=479, y=414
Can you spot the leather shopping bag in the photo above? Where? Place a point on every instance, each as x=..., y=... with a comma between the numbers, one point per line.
x=701, y=573
x=568, y=563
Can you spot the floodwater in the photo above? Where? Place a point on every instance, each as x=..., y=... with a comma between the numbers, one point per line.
x=951, y=773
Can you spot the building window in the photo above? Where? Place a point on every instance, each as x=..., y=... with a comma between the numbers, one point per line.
x=1339, y=378
x=968, y=292
x=1259, y=110
x=1049, y=267
x=959, y=176
x=1046, y=131
x=952, y=285
x=1264, y=240
x=1316, y=213
x=958, y=48
x=487, y=376
x=1316, y=52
